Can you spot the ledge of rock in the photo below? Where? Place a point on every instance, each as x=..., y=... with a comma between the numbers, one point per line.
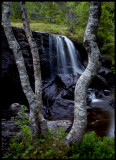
x=58, y=124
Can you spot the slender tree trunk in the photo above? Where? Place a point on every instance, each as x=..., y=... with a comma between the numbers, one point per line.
x=94, y=64
x=37, y=122
x=37, y=70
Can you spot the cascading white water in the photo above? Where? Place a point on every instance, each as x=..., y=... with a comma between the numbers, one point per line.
x=42, y=46
x=68, y=58
x=61, y=57
x=74, y=57
x=51, y=55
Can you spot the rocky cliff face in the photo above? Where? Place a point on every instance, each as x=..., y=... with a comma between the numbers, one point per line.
x=63, y=84
x=8, y=62
x=12, y=90
x=11, y=87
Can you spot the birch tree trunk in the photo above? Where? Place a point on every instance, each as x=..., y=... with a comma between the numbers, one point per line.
x=37, y=113
x=37, y=122
x=94, y=64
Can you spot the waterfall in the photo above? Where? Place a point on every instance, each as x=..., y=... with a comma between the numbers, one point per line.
x=92, y=96
x=63, y=56
x=42, y=46
x=74, y=57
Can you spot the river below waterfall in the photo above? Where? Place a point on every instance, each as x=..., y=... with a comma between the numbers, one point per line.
x=100, y=116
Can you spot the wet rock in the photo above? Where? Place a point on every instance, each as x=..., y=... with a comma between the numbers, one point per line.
x=9, y=130
x=67, y=80
x=22, y=40
x=107, y=92
x=104, y=71
x=106, y=62
x=52, y=92
x=99, y=83
x=89, y=100
x=62, y=109
x=62, y=87
x=89, y=108
x=13, y=110
x=23, y=44
x=108, y=75
x=59, y=124
x=112, y=103
x=68, y=94
x=99, y=93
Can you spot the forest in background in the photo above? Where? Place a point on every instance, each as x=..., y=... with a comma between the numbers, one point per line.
x=69, y=19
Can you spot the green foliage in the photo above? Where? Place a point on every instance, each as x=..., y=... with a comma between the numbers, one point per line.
x=72, y=14
x=19, y=146
x=106, y=30
x=93, y=147
x=22, y=147
x=44, y=148
x=23, y=118
x=51, y=147
x=15, y=11
x=113, y=68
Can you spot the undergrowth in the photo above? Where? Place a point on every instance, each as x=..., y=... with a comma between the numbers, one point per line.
x=52, y=147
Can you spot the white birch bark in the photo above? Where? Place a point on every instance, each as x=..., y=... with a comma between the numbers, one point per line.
x=94, y=64
x=37, y=122
x=17, y=53
x=37, y=70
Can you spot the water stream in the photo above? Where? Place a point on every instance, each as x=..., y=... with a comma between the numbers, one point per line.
x=101, y=118
x=63, y=56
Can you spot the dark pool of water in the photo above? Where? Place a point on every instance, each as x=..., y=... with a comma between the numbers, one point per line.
x=100, y=116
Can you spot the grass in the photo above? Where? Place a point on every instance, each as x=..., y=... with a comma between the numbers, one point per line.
x=47, y=27
x=60, y=29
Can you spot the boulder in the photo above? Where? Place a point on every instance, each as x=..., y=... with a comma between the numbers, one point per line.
x=8, y=130
x=14, y=109
x=67, y=80
x=62, y=86
x=106, y=62
x=59, y=124
x=108, y=75
x=99, y=83
x=62, y=108
x=112, y=103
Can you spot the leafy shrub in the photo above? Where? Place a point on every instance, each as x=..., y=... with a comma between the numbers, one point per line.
x=93, y=147
x=52, y=147
x=20, y=145
x=23, y=118
x=43, y=148
x=113, y=68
